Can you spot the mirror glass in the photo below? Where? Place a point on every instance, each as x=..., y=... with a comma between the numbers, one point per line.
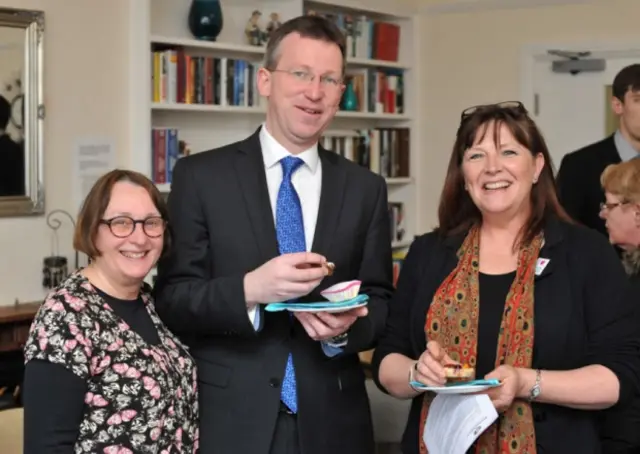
x=21, y=112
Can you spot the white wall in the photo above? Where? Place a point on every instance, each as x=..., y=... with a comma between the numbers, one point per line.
x=86, y=44
x=473, y=57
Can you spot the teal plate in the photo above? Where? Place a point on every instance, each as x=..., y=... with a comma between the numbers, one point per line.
x=321, y=306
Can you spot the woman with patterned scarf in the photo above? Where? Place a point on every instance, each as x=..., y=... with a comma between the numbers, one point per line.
x=621, y=211
x=508, y=285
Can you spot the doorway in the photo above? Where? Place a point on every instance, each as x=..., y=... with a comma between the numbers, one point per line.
x=572, y=110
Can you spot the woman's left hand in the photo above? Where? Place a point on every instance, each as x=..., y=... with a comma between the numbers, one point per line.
x=503, y=395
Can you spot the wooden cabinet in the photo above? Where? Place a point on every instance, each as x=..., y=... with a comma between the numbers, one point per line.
x=15, y=322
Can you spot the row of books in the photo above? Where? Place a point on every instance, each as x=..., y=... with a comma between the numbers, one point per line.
x=384, y=151
x=181, y=78
x=366, y=37
x=166, y=149
x=378, y=91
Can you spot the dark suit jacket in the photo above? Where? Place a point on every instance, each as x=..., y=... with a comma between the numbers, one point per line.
x=223, y=228
x=620, y=425
x=578, y=181
x=581, y=318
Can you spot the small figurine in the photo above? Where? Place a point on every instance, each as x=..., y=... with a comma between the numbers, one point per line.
x=254, y=35
x=273, y=25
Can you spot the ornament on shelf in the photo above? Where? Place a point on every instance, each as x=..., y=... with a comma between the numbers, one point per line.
x=273, y=25
x=205, y=19
x=55, y=268
x=350, y=98
x=253, y=33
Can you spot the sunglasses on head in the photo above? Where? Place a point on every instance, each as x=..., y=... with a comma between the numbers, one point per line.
x=515, y=106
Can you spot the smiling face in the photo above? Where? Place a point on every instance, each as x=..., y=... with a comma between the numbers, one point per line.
x=622, y=221
x=128, y=260
x=299, y=108
x=499, y=176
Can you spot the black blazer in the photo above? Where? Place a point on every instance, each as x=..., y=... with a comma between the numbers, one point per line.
x=223, y=227
x=578, y=181
x=581, y=318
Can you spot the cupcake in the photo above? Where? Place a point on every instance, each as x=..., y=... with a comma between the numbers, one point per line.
x=342, y=291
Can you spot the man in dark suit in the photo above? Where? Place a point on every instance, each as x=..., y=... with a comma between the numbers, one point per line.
x=578, y=178
x=255, y=222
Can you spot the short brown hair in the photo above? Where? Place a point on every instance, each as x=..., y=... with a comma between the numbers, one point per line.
x=627, y=79
x=457, y=213
x=623, y=180
x=314, y=27
x=97, y=201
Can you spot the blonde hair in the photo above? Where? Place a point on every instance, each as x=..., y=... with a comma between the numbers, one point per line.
x=623, y=180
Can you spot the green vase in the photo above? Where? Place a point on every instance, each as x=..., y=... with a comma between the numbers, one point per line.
x=349, y=98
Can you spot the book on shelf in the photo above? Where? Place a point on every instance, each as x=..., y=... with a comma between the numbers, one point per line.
x=166, y=149
x=384, y=151
x=397, y=259
x=365, y=37
x=178, y=77
x=397, y=222
x=378, y=90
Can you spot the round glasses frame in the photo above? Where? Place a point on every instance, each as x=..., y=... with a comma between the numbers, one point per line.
x=124, y=226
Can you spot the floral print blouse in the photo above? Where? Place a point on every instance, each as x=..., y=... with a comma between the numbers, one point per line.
x=140, y=398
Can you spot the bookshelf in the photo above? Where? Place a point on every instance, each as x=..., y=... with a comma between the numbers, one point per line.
x=161, y=26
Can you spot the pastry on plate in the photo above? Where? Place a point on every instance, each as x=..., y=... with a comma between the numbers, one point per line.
x=459, y=373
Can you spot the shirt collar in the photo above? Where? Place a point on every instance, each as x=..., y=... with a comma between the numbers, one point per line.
x=273, y=152
x=625, y=149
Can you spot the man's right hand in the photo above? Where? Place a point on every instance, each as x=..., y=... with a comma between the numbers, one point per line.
x=285, y=277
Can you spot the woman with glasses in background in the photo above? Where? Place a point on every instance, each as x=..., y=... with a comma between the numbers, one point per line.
x=103, y=374
x=509, y=286
x=621, y=213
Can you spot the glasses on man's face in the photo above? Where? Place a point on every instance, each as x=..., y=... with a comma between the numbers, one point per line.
x=306, y=77
x=604, y=206
x=515, y=107
x=124, y=226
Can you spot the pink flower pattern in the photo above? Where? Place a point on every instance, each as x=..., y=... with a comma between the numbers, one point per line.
x=140, y=397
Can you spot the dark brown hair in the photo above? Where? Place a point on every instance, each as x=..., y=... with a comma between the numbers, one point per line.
x=97, y=201
x=314, y=27
x=457, y=213
x=627, y=79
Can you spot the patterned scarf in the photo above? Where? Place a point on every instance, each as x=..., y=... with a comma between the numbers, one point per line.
x=452, y=321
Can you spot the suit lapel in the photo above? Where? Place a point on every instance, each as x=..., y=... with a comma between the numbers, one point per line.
x=334, y=177
x=250, y=171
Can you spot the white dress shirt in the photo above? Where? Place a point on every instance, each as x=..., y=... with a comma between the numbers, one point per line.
x=307, y=181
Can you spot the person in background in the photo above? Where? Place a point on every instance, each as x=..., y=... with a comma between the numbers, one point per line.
x=578, y=178
x=509, y=286
x=103, y=373
x=621, y=213
x=12, y=168
x=256, y=222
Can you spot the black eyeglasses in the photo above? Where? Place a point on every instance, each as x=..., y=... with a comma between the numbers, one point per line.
x=124, y=226
x=515, y=106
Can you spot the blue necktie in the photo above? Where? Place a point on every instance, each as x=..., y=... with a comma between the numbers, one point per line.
x=290, y=234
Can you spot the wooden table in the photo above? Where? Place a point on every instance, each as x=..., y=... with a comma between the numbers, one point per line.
x=15, y=322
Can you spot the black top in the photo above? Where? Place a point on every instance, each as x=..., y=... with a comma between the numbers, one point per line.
x=493, y=295
x=56, y=417
x=583, y=316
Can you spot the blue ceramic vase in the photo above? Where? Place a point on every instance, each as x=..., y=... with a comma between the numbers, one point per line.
x=205, y=19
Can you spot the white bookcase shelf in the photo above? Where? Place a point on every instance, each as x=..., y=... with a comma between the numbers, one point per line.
x=162, y=24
